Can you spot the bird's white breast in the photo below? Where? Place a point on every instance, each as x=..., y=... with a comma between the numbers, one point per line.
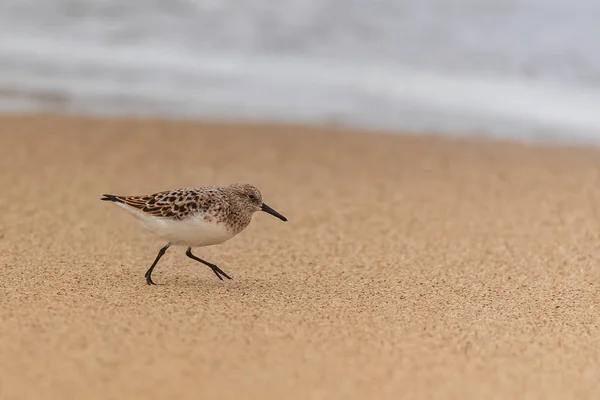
x=193, y=232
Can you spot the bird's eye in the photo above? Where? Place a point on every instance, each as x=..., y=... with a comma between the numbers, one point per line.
x=252, y=197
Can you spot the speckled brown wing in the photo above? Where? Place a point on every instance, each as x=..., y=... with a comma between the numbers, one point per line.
x=175, y=204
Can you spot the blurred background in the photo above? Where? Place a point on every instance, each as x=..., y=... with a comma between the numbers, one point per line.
x=524, y=69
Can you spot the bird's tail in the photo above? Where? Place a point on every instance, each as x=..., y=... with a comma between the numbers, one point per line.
x=111, y=197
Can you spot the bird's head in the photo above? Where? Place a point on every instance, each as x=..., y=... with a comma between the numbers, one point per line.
x=251, y=200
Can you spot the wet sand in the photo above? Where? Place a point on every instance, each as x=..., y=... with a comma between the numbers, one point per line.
x=411, y=267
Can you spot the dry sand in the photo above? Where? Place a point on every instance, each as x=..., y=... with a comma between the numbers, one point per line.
x=410, y=268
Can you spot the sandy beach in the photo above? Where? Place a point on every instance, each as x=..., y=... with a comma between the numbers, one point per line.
x=411, y=267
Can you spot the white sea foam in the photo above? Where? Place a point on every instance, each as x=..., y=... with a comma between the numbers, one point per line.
x=510, y=82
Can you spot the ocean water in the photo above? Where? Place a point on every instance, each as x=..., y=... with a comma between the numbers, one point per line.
x=520, y=69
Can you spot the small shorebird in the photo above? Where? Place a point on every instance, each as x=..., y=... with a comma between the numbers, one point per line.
x=195, y=217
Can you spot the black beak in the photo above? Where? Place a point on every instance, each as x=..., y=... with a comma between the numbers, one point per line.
x=274, y=213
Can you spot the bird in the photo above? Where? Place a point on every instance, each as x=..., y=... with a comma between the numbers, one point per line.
x=195, y=216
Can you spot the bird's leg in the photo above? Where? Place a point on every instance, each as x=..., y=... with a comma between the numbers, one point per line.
x=148, y=275
x=218, y=271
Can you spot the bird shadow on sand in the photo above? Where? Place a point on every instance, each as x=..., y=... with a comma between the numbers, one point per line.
x=276, y=284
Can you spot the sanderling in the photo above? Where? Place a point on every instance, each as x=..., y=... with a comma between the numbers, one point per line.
x=195, y=217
